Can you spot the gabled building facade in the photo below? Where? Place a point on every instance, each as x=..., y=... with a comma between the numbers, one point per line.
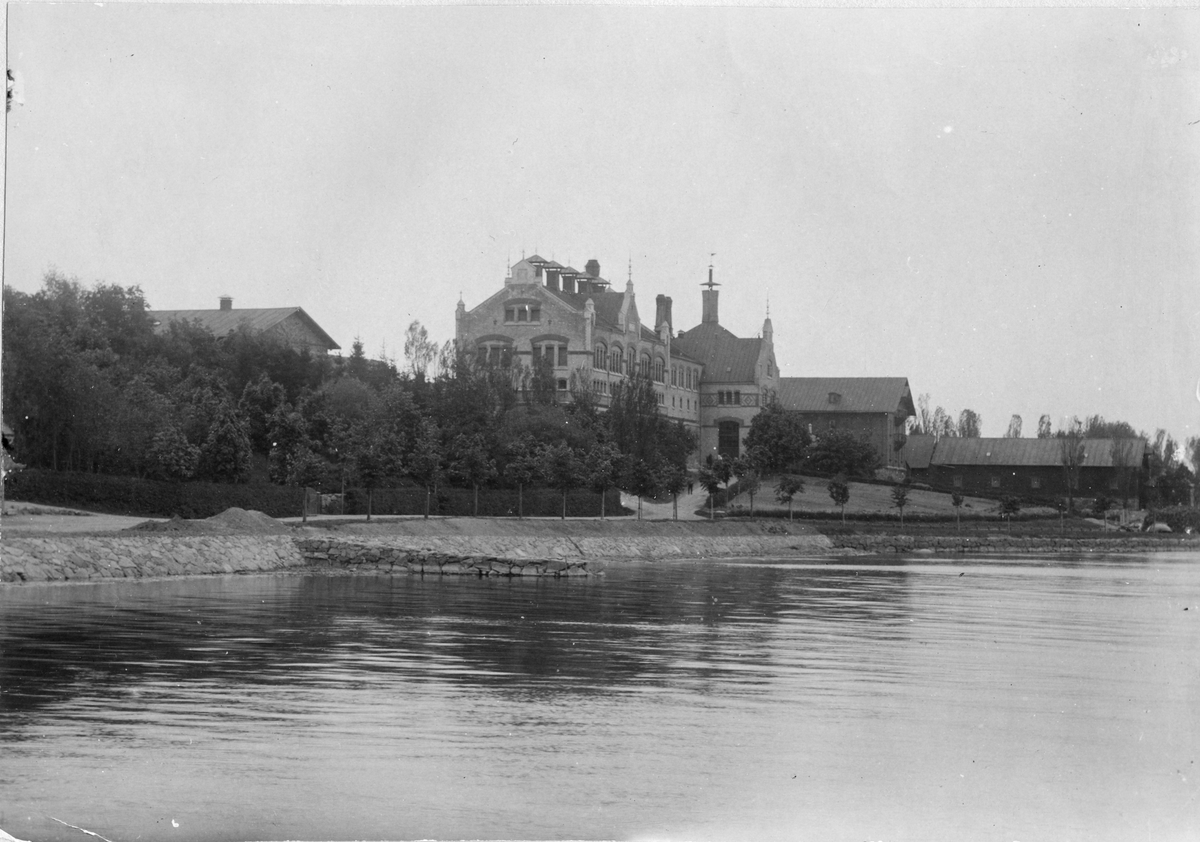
x=595, y=339
x=740, y=376
x=290, y=324
x=873, y=408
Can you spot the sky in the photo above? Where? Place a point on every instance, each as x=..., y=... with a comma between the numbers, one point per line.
x=999, y=205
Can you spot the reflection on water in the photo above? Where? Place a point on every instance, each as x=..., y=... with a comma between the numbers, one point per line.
x=1010, y=700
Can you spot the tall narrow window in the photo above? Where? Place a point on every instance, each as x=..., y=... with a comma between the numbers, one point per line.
x=562, y=356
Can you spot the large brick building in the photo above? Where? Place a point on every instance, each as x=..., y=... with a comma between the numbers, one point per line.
x=706, y=377
x=595, y=338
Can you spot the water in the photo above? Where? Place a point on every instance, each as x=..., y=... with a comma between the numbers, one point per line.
x=913, y=700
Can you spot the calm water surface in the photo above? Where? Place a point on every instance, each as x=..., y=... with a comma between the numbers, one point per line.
x=909, y=700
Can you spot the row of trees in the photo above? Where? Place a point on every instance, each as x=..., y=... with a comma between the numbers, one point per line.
x=89, y=384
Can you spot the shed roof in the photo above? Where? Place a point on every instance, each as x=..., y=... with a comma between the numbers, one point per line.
x=846, y=394
x=726, y=358
x=1006, y=452
x=221, y=323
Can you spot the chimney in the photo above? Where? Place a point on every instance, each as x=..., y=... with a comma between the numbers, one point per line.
x=592, y=267
x=662, y=311
x=226, y=302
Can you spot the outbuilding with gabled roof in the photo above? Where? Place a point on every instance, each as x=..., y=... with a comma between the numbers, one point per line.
x=290, y=324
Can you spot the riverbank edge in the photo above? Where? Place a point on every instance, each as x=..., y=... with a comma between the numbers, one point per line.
x=68, y=557
x=74, y=558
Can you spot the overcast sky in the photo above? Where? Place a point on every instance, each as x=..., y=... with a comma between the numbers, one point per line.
x=999, y=205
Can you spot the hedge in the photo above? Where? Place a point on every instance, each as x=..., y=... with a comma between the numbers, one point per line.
x=493, y=502
x=151, y=498
x=147, y=498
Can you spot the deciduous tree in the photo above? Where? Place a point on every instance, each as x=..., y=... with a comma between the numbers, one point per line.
x=839, y=492
x=787, y=488
x=563, y=471
x=525, y=464
x=603, y=467
x=970, y=424
x=778, y=438
x=472, y=463
x=1071, y=455
x=900, y=499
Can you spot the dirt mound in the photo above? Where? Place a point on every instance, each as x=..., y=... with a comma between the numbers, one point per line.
x=230, y=520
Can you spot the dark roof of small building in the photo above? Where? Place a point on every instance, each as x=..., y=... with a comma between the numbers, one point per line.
x=846, y=394
x=726, y=358
x=918, y=451
x=221, y=323
x=1005, y=452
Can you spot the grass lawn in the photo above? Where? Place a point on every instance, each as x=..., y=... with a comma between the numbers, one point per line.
x=867, y=498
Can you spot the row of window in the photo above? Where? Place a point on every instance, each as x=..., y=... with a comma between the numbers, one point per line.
x=614, y=360
x=516, y=313
x=556, y=353
x=729, y=398
x=499, y=354
x=1034, y=482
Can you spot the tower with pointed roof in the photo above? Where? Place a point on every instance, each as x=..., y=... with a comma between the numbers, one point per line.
x=740, y=376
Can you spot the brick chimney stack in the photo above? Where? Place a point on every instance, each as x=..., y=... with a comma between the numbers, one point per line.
x=662, y=311
x=226, y=302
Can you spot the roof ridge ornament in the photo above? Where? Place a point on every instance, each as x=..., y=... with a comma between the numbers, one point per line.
x=711, y=283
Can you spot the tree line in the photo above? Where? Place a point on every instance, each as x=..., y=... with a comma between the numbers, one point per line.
x=89, y=384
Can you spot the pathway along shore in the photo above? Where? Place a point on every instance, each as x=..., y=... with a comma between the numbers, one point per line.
x=55, y=546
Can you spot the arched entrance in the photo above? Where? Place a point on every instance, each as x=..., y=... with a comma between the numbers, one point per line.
x=729, y=439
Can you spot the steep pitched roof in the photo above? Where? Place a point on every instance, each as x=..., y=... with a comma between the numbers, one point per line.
x=726, y=358
x=853, y=394
x=221, y=323
x=918, y=451
x=1098, y=453
x=608, y=304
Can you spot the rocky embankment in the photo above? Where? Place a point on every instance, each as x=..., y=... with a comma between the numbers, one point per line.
x=93, y=557
x=1012, y=544
x=237, y=541
x=249, y=542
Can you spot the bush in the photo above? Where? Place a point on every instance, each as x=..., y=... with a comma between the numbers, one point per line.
x=1178, y=518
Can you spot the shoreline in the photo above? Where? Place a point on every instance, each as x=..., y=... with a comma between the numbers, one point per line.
x=476, y=546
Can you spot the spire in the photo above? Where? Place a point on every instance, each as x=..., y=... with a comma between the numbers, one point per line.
x=709, y=296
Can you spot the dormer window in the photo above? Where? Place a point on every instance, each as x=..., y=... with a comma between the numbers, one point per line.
x=834, y=398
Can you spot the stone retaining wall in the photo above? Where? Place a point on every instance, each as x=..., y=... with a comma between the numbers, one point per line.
x=1010, y=544
x=582, y=547
x=382, y=558
x=96, y=557
x=89, y=557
